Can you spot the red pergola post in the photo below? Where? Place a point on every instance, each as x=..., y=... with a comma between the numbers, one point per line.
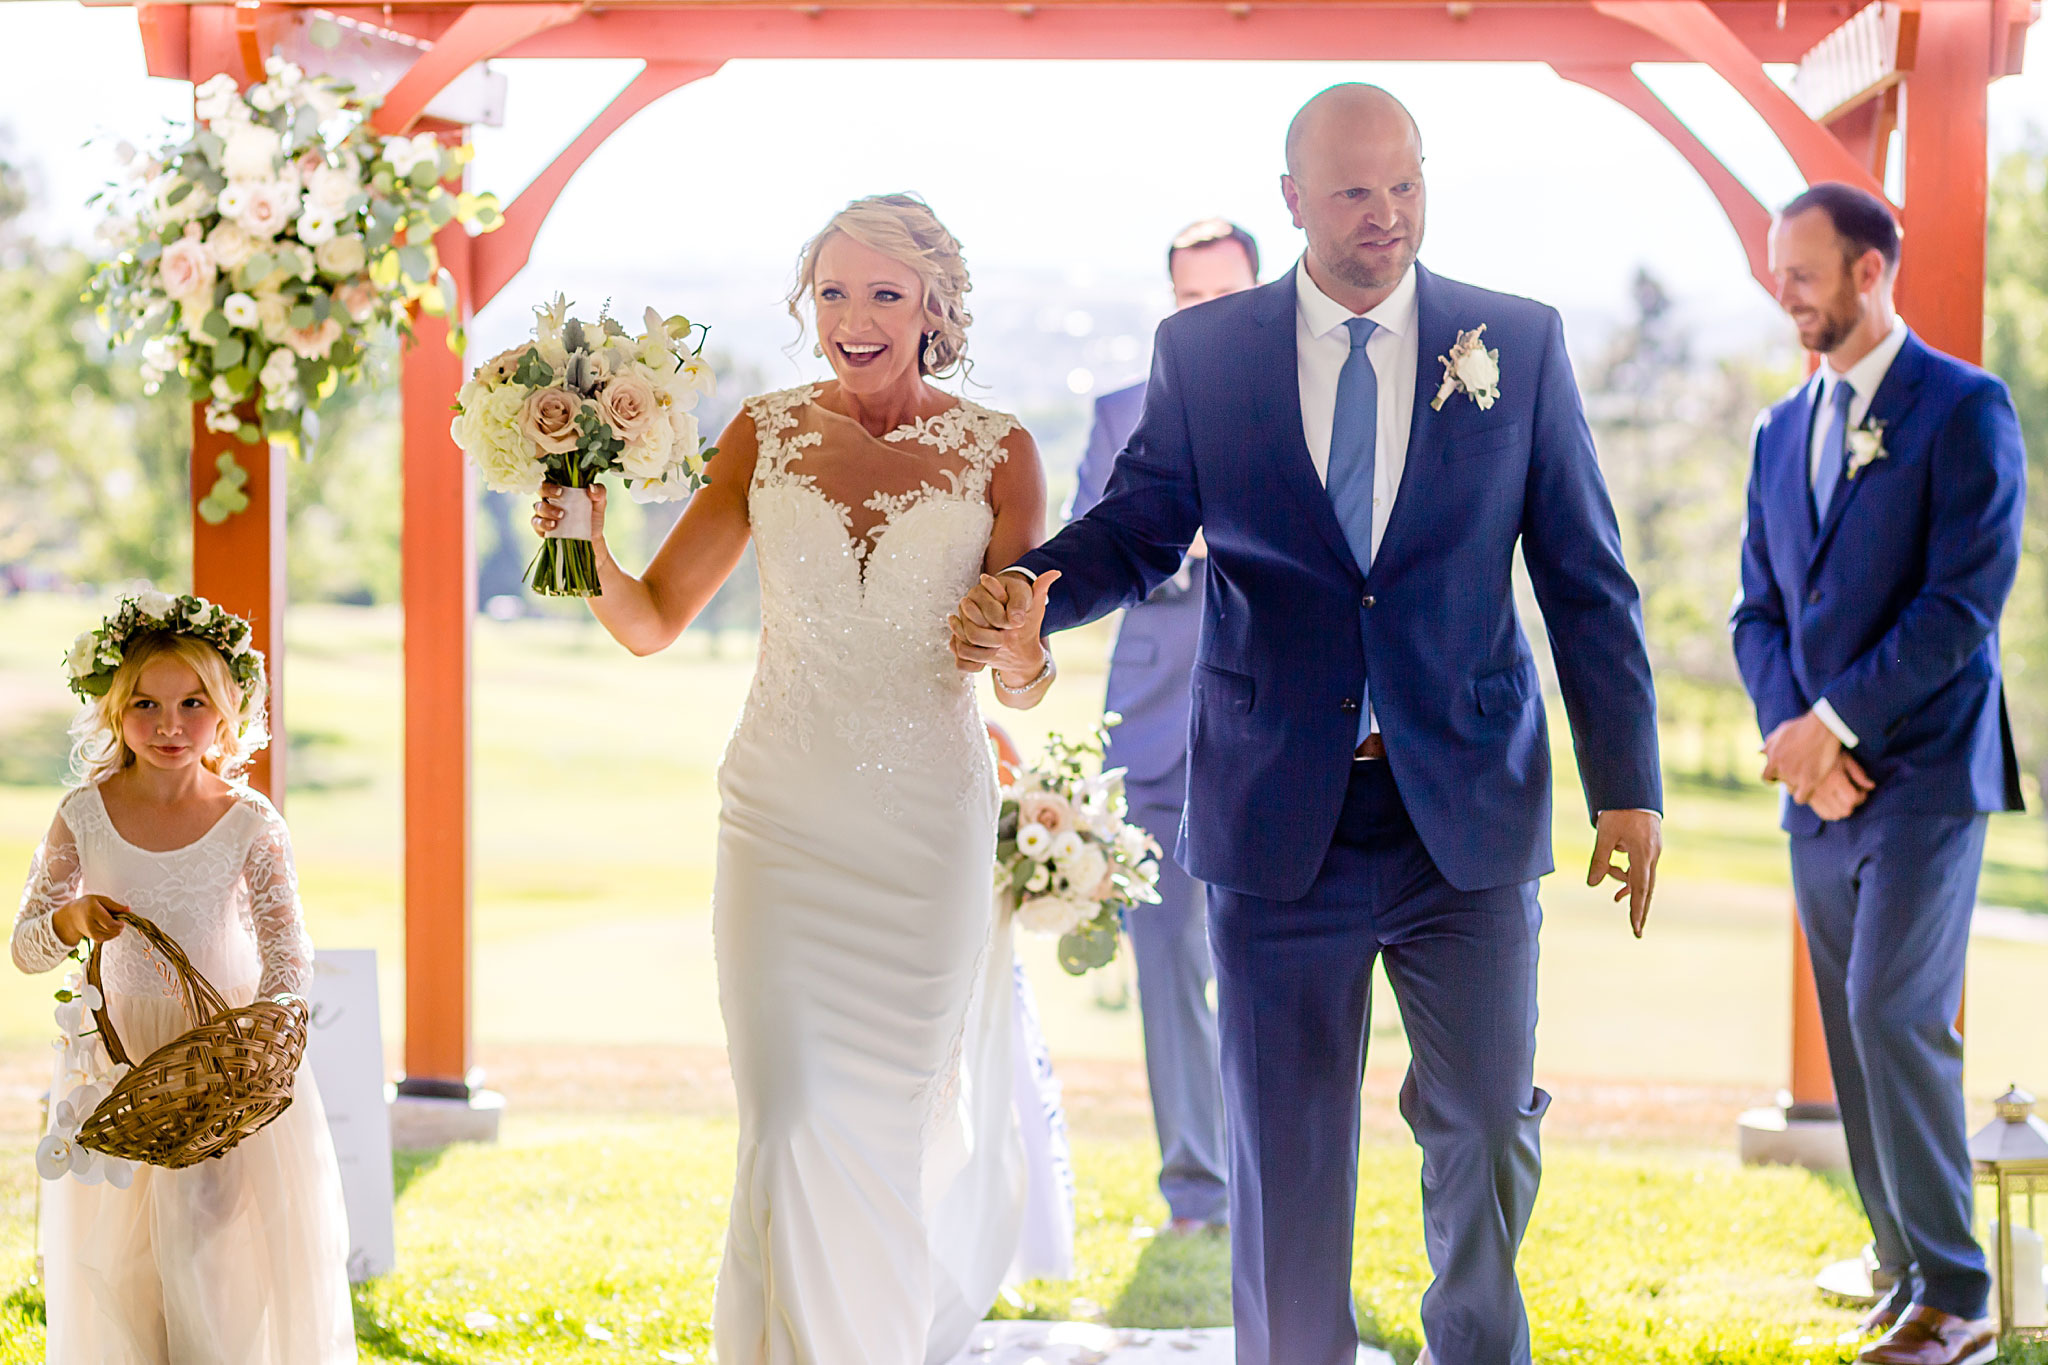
x=438, y=544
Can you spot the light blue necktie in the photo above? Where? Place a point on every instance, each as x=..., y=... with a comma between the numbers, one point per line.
x=1353, y=434
x=1834, y=450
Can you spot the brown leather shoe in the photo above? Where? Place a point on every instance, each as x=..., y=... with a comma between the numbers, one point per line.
x=1928, y=1336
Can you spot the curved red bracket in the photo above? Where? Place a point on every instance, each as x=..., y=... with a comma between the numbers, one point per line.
x=1750, y=219
x=479, y=32
x=502, y=254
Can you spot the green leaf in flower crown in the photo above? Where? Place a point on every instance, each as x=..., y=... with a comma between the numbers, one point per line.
x=1090, y=946
x=302, y=316
x=413, y=262
x=228, y=354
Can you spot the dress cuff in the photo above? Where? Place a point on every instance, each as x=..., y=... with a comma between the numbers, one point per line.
x=1826, y=715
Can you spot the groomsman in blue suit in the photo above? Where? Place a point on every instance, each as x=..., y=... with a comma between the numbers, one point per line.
x=1885, y=501
x=1369, y=762
x=1148, y=686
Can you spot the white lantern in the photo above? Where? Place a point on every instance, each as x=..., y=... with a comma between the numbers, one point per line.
x=2010, y=1155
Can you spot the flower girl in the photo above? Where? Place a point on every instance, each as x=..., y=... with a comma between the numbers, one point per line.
x=239, y=1260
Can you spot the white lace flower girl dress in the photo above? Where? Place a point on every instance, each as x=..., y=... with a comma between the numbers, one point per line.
x=239, y=1260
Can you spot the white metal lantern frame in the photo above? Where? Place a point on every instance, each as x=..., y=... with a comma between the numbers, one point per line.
x=2010, y=1155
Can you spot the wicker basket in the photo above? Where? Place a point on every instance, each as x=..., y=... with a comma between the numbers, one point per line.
x=205, y=1090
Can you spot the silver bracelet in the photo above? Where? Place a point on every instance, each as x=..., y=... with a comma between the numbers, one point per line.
x=1045, y=675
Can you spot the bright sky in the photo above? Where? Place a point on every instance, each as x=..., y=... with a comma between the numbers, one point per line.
x=1070, y=172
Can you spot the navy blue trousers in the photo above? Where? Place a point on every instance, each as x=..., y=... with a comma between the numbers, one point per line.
x=1294, y=982
x=1886, y=904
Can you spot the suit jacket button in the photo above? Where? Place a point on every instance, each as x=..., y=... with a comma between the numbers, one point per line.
x=1348, y=704
x=1367, y=603
x=1814, y=596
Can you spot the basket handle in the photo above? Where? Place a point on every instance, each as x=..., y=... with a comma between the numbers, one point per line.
x=202, y=1001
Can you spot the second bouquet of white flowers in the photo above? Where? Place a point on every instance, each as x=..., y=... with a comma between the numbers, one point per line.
x=580, y=401
x=1066, y=858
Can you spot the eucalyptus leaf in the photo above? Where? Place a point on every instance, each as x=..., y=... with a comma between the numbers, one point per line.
x=413, y=263
x=302, y=317
x=1090, y=946
x=229, y=353
x=425, y=176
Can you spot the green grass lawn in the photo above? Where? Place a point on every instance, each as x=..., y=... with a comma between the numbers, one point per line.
x=572, y=1243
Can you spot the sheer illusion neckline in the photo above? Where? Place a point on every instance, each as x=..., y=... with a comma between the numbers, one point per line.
x=115, y=829
x=915, y=429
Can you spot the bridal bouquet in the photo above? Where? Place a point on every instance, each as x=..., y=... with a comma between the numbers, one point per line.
x=1066, y=859
x=583, y=400
x=262, y=250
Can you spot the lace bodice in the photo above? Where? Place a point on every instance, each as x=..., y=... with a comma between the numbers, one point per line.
x=865, y=544
x=230, y=898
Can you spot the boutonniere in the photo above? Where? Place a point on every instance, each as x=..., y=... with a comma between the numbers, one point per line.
x=1866, y=447
x=1470, y=369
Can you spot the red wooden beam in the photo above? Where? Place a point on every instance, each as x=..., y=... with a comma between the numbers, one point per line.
x=480, y=31
x=1941, y=271
x=502, y=254
x=1750, y=219
x=1359, y=30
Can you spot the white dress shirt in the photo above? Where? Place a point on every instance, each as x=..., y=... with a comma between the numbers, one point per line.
x=1322, y=344
x=1862, y=378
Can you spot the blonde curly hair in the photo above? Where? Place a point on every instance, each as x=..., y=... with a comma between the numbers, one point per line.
x=98, y=751
x=904, y=228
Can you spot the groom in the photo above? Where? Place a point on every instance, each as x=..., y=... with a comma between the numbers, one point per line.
x=1369, y=775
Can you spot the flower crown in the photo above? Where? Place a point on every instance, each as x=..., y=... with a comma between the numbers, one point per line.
x=97, y=654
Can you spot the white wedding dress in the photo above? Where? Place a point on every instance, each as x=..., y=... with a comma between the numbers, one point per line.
x=864, y=974
x=239, y=1260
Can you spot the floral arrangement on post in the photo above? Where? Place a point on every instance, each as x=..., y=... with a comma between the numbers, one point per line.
x=1066, y=859
x=580, y=401
x=259, y=253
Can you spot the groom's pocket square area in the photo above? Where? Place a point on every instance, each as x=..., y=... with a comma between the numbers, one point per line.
x=1505, y=691
x=1220, y=687
x=1464, y=445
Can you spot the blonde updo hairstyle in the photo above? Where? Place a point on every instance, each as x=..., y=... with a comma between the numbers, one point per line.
x=904, y=228
x=98, y=750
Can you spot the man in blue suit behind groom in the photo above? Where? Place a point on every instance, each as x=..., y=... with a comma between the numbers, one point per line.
x=1369, y=764
x=1885, y=502
x=1148, y=686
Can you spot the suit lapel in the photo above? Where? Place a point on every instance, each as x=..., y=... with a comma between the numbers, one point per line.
x=1895, y=396
x=1794, y=475
x=1275, y=371
x=1436, y=331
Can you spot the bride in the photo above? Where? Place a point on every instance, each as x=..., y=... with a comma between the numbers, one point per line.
x=864, y=975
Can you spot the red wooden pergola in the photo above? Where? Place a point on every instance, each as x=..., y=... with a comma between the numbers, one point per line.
x=1920, y=67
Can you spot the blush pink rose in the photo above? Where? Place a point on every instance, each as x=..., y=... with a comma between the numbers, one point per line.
x=313, y=343
x=549, y=420
x=1048, y=809
x=358, y=297
x=629, y=406
x=186, y=271
x=268, y=209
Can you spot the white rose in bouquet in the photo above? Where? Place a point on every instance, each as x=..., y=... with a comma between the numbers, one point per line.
x=216, y=96
x=252, y=152
x=316, y=226
x=231, y=247
x=273, y=314
x=1086, y=872
x=340, y=257
x=643, y=459
x=1057, y=915
x=331, y=187
x=240, y=310
x=186, y=273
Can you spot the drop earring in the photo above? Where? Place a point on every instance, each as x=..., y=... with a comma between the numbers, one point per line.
x=818, y=349
x=931, y=352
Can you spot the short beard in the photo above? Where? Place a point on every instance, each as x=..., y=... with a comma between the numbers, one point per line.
x=1349, y=270
x=1837, y=321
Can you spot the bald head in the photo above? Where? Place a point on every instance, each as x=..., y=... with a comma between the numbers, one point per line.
x=1350, y=112
x=1354, y=186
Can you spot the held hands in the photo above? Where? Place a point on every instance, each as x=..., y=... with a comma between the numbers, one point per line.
x=1805, y=755
x=998, y=626
x=1638, y=834
x=93, y=917
x=547, y=513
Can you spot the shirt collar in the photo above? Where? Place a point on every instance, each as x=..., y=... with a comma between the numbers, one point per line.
x=1324, y=315
x=1866, y=374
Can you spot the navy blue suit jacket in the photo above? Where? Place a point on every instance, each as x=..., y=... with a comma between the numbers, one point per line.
x=1155, y=646
x=1291, y=625
x=1889, y=607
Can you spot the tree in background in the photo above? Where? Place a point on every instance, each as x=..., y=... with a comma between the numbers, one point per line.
x=1672, y=433
x=2016, y=349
